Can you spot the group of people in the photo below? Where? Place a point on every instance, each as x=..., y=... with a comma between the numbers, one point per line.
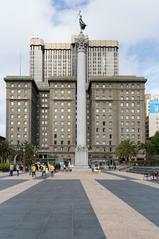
x=43, y=168
x=11, y=169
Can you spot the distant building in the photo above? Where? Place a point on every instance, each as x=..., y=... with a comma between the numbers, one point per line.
x=41, y=108
x=152, y=105
x=60, y=59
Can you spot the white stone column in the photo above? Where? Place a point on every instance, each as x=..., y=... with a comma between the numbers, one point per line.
x=81, y=152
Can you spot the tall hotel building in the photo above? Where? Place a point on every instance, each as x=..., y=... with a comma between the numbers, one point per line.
x=41, y=108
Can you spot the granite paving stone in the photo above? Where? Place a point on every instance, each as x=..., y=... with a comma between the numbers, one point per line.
x=6, y=183
x=143, y=198
x=51, y=209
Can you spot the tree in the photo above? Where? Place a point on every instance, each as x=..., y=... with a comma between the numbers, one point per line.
x=155, y=143
x=25, y=153
x=151, y=146
x=148, y=147
x=126, y=150
x=7, y=152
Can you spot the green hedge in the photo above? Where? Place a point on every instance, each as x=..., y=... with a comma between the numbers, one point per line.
x=4, y=167
x=152, y=162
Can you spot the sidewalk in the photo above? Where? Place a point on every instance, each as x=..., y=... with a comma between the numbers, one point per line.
x=80, y=205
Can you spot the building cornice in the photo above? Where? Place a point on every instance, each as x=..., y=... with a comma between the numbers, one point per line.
x=116, y=79
x=20, y=79
x=62, y=79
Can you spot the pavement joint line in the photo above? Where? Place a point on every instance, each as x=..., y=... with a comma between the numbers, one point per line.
x=117, y=218
x=147, y=183
x=138, y=178
x=13, y=191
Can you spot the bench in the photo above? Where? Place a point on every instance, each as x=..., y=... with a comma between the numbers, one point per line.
x=151, y=174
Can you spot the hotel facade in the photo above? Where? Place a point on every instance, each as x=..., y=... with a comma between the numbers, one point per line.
x=42, y=107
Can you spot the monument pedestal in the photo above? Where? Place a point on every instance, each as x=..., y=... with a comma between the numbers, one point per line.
x=81, y=156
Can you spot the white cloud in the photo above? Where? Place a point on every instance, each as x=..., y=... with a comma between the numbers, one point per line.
x=130, y=22
x=152, y=73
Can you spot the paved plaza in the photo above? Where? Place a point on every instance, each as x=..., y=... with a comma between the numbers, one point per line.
x=79, y=205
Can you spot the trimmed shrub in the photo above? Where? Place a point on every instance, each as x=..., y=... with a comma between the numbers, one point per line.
x=150, y=162
x=4, y=167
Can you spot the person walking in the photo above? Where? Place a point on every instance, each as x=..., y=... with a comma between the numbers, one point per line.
x=43, y=170
x=52, y=169
x=33, y=170
x=11, y=169
x=17, y=169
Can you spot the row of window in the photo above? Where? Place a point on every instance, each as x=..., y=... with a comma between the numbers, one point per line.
x=18, y=91
x=19, y=122
x=19, y=85
x=61, y=136
x=62, y=91
x=127, y=117
x=62, y=129
x=62, y=117
x=121, y=86
x=61, y=142
x=62, y=110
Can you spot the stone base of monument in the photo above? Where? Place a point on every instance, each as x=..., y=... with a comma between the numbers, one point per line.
x=81, y=159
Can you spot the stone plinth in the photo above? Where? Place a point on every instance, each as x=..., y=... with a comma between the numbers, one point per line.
x=81, y=158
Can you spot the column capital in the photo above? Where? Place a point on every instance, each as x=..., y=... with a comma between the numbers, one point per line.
x=81, y=42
